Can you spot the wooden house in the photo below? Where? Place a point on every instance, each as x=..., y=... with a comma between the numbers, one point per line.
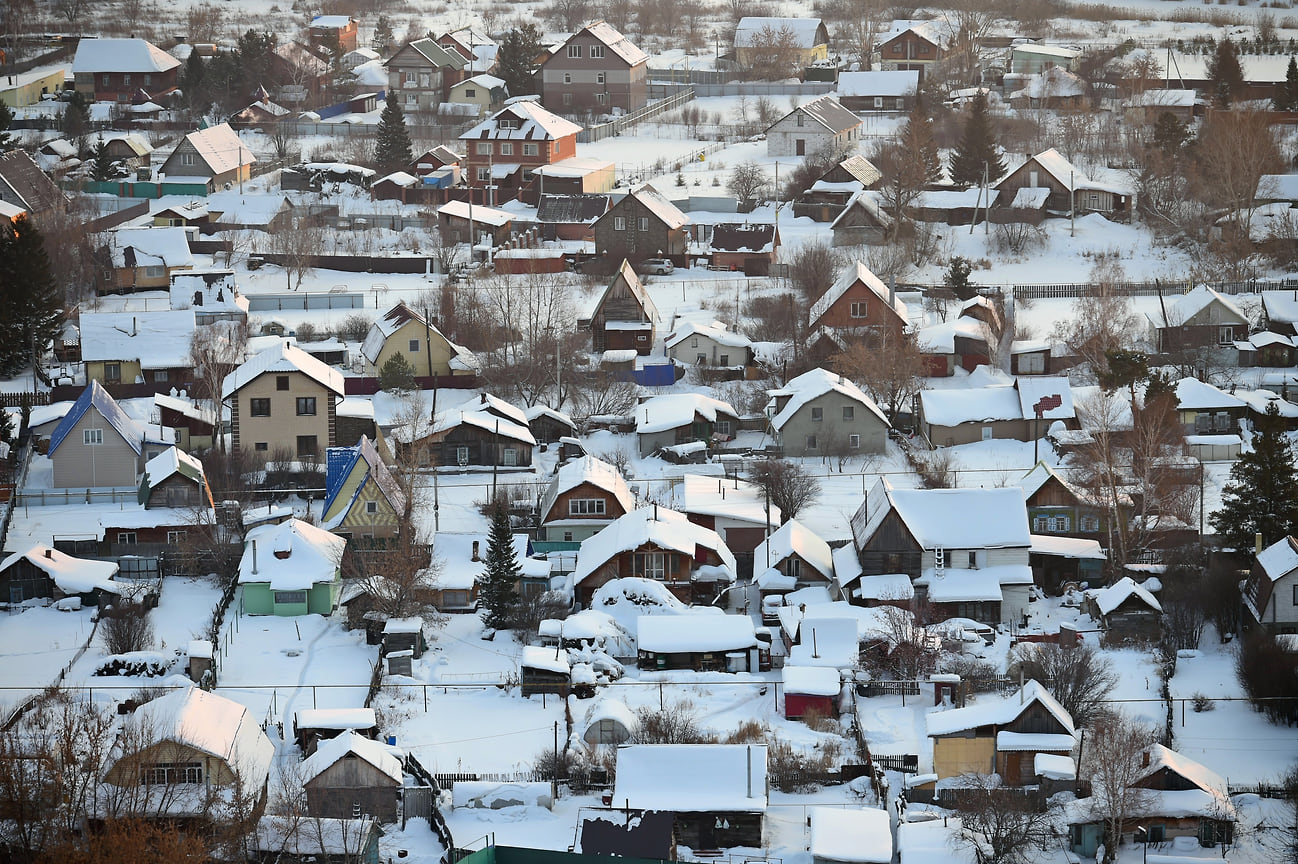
x=1203, y=320
x=463, y=555
x=194, y=425
x=351, y=772
x=1057, y=561
x=139, y=348
x=1055, y=88
x=175, y=479
x=750, y=249
x=797, y=554
x=143, y=259
x=727, y=644
x=313, y=725
x=464, y=438
x=570, y=217
x=405, y=332
x=1206, y=410
x=644, y=224
x=822, y=413
x=711, y=345
x=544, y=671
x=736, y=509
x=485, y=92
x=547, y=424
x=1069, y=187
x=289, y=569
x=1023, y=410
x=25, y=188
x=316, y=840
x=44, y=572
x=683, y=418
x=362, y=498
x=215, y=154
x=913, y=46
x=1271, y=590
x=594, y=71
x=862, y=222
x=832, y=190
x=623, y=316
x=859, y=301
x=1127, y=611
x=585, y=496
x=878, y=90
x=421, y=74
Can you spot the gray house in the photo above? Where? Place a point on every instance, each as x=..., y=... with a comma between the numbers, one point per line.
x=821, y=125
x=823, y=414
x=97, y=444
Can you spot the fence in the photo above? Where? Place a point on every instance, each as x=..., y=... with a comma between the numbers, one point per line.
x=888, y=688
x=1149, y=289
x=417, y=131
x=306, y=300
x=63, y=497
x=448, y=781
x=809, y=89
x=17, y=399
x=616, y=127
x=906, y=763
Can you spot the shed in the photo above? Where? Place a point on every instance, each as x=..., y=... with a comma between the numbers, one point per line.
x=849, y=836
x=404, y=634
x=811, y=690
x=312, y=725
x=544, y=670
x=717, y=643
x=351, y=773
x=293, y=840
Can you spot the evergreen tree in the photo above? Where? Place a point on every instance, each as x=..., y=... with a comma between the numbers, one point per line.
x=1170, y=134
x=516, y=59
x=195, y=84
x=1261, y=496
x=1225, y=77
x=498, y=589
x=6, y=118
x=918, y=137
x=29, y=297
x=383, y=37
x=102, y=169
x=977, y=148
x=391, y=140
x=1286, y=94
x=76, y=120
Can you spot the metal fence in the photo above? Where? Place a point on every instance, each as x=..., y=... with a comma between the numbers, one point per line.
x=417, y=131
x=63, y=497
x=617, y=126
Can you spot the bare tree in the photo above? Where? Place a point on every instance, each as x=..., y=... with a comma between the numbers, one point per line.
x=772, y=53
x=1101, y=322
x=1000, y=825
x=125, y=629
x=888, y=367
x=297, y=248
x=1113, y=764
x=601, y=393
x=214, y=350
x=813, y=267
x=1232, y=152
x=748, y=182
x=787, y=485
x=1078, y=677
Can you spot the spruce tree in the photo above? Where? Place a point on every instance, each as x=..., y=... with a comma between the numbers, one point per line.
x=392, y=141
x=498, y=588
x=1261, y=496
x=383, y=37
x=516, y=59
x=977, y=148
x=1225, y=77
x=195, y=83
x=30, y=303
x=102, y=169
x=6, y=118
x=1286, y=94
x=917, y=136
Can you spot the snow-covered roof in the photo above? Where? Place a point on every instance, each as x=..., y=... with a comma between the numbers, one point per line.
x=949, y=518
x=71, y=575
x=1195, y=395
x=150, y=247
x=855, y=836
x=537, y=411
x=592, y=470
x=857, y=272
x=940, y=338
x=878, y=83
x=221, y=148
x=1054, y=82
x=448, y=420
x=965, y=585
x=206, y=290
x=349, y=744
x=657, y=204
x=158, y=340
x=864, y=200
x=1054, y=766
x=332, y=22
x=1279, y=559
x=523, y=119
x=546, y=659
x=1110, y=598
x=829, y=113
x=376, y=472
x=1067, y=547
x=1025, y=741
x=121, y=55
x=729, y=499
x=716, y=331
x=1066, y=174
x=478, y=213
x=814, y=384
x=211, y=724
x=664, y=528
x=173, y=460
x=282, y=357
x=1034, y=389
x=997, y=711
x=932, y=30
x=1040, y=474
x=610, y=708
x=616, y=42
x=803, y=32
x=291, y=556
x=135, y=434
x=1161, y=757
x=185, y=407
x=881, y=586
x=791, y=538
x=660, y=413
x=1161, y=98
x=692, y=778
x=812, y=680
x=1194, y=301
x=676, y=634
x=335, y=718
x=969, y=405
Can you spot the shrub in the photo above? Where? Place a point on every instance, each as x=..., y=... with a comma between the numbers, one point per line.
x=354, y=328
x=1202, y=703
x=672, y=724
x=126, y=630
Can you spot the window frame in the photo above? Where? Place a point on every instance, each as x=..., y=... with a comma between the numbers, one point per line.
x=849, y=413
x=597, y=52
x=93, y=437
x=289, y=596
x=859, y=309
x=259, y=407
x=306, y=406
x=315, y=446
x=574, y=52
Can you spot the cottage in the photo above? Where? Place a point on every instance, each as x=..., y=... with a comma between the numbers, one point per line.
x=485, y=93
x=964, y=341
x=859, y=301
x=421, y=74
x=821, y=413
x=548, y=425
x=45, y=572
x=596, y=70
x=1149, y=105
x=1055, y=87
x=1204, y=409
x=1069, y=187
x=289, y=569
x=1128, y=611
x=313, y=725
x=849, y=836
x=570, y=216
x=114, y=70
x=544, y=670
x=841, y=181
x=821, y=126
x=736, y=509
x=97, y=444
x=708, y=345
x=139, y=348
x=745, y=247
x=665, y=421
x=216, y=155
x=878, y=90
x=140, y=259
x=655, y=543
x=756, y=36
x=463, y=556
x=719, y=643
x=623, y=317
x=351, y=773
x=479, y=226
x=403, y=331
x=195, y=425
x=810, y=690
x=861, y=222
x=585, y=496
x=644, y=224
x=1001, y=735
x=913, y=46
x=462, y=438
x=1271, y=590
x=1021, y=411
x=796, y=553
x=1203, y=320
x=716, y=793
x=175, y=479
x=283, y=400
x=362, y=498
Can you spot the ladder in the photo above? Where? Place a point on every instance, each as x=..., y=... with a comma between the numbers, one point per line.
x=939, y=562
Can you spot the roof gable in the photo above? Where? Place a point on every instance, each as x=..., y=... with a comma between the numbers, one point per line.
x=828, y=112
x=36, y=191
x=626, y=281
x=220, y=147
x=620, y=45
x=282, y=357
x=804, y=32
x=95, y=396
x=858, y=272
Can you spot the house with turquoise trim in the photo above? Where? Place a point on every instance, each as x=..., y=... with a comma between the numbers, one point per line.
x=293, y=568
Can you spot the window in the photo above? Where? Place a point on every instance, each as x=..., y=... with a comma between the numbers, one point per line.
x=567, y=98
x=261, y=446
x=586, y=507
x=800, y=119
x=860, y=310
x=650, y=565
x=529, y=150
x=722, y=428
x=574, y=50
x=600, y=77
x=506, y=148
x=482, y=148
x=723, y=360
x=112, y=371
x=849, y=413
x=166, y=773
x=155, y=271
x=126, y=80
x=567, y=536
x=187, y=159
x=596, y=52
x=896, y=49
x=175, y=537
x=462, y=455
x=619, y=223
x=567, y=77
x=126, y=538
x=484, y=173
x=1089, y=523
x=878, y=102
x=290, y=596
x=511, y=457
x=281, y=382
x=817, y=414
x=1039, y=524
x=507, y=123
x=601, y=98
x=644, y=223
x=306, y=446
x=811, y=442
x=1225, y=335
x=160, y=376
x=106, y=80
x=694, y=341
x=371, y=507
x=1295, y=594
x=470, y=93
x=923, y=48
x=425, y=79
x=413, y=345
x=701, y=359
x=92, y=437
x=854, y=442
x=1062, y=522
x=148, y=79
x=259, y=407
x=412, y=77
x=306, y=406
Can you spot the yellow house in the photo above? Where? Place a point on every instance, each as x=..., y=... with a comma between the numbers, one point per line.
x=804, y=40
x=27, y=88
x=403, y=331
x=362, y=498
x=485, y=91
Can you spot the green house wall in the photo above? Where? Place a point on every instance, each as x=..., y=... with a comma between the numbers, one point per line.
x=322, y=599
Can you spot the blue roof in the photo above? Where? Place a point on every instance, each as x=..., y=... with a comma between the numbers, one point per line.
x=338, y=465
x=97, y=396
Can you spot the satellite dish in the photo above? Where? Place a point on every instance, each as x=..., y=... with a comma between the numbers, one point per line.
x=228, y=186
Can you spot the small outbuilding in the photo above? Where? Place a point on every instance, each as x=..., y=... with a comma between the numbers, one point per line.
x=544, y=670
x=716, y=643
x=849, y=836
x=351, y=773
x=312, y=725
x=609, y=721
x=811, y=690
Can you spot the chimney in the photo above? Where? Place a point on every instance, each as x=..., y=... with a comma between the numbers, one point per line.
x=475, y=552
x=892, y=290
x=1144, y=758
x=1257, y=543
x=254, y=557
x=49, y=553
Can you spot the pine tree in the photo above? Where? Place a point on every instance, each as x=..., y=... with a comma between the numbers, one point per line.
x=195, y=84
x=917, y=135
x=30, y=303
x=102, y=169
x=76, y=119
x=498, y=589
x=1286, y=95
x=1225, y=77
x=6, y=118
x=516, y=59
x=392, y=141
x=382, y=41
x=1261, y=496
x=977, y=148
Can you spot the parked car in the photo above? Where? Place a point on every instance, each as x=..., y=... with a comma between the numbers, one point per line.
x=657, y=266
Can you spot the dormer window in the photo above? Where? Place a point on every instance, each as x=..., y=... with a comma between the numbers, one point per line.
x=507, y=123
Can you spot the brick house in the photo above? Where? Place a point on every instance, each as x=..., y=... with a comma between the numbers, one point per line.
x=596, y=70
x=859, y=301
x=644, y=224
x=505, y=150
x=334, y=33
x=822, y=125
x=112, y=70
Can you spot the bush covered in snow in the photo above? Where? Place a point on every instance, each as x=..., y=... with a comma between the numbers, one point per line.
x=137, y=664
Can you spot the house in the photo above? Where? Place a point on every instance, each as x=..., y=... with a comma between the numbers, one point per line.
x=1031, y=357
x=362, y=498
x=585, y=496
x=481, y=227
x=1149, y=105
x=594, y=71
x=210, y=293
x=1173, y=797
x=913, y=46
x=185, y=755
x=114, y=70
x=861, y=222
x=1274, y=350
x=1202, y=320
x=1055, y=88
x=463, y=555
x=195, y=425
x=23, y=185
x=194, y=213
x=623, y=316
x=829, y=194
x=807, y=39
x=97, y=444
x=1001, y=735
x=421, y=74
x=31, y=87
x=351, y=772
x=129, y=148
x=44, y=572
x=736, y=509
x=820, y=413
x=693, y=562
x=139, y=348
x=486, y=92
x=719, y=643
x=505, y=150
x=1204, y=409
x=680, y=418
x=716, y=793
x=1057, y=506
x=712, y=345
x=1271, y=590
x=1021, y=411
x=569, y=217
x=334, y=33
x=859, y=301
x=262, y=114
x=475, y=46
x=460, y=438
x=283, y=400
x=316, y=840
x=293, y=568
x=849, y=836
x=1128, y=611
x=142, y=259
x=963, y=341
x=1031, y=58
x=821, y=126
x=1069, y=187
x=799, y=557
x=966, y=567
x=175, y=479
x=406, y=333
x=878, y=90
x=216, y=155
x=644, y=224
x=547, y=424
x=743, y=246
x=811, y=690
